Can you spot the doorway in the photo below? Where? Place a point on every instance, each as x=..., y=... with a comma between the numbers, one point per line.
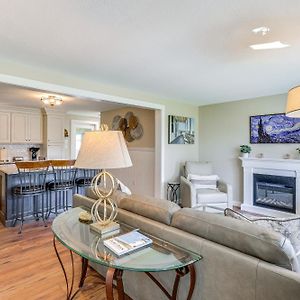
x=78, y=128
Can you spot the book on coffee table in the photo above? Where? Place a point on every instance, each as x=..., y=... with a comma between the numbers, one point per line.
x=127, y=243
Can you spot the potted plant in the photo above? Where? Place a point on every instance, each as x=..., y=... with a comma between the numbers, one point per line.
x=245, y=150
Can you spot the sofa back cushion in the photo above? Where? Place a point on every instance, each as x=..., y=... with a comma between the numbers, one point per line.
x=248, y=238
x=152, y=208
x=289, y=227
x=198, y=168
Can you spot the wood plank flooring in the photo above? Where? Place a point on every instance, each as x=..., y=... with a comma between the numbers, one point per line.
x=29, y=268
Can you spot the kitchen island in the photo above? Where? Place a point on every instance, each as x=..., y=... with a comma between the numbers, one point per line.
x=9, y=178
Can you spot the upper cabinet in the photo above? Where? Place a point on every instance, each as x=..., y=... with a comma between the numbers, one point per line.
x=54, y=132
x=5, y=127
x=26, y=128
x=35, y=132
x=54, y=140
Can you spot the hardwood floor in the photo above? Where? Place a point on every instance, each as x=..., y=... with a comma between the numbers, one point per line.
x=29, y=268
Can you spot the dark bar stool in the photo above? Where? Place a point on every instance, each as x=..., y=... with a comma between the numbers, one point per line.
x=32, y=184
x=86, y=178
x=64, y=181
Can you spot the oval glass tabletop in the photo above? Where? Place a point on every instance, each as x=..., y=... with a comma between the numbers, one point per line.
x=78, y=237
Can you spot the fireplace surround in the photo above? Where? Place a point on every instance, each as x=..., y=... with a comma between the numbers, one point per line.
x=271, y=186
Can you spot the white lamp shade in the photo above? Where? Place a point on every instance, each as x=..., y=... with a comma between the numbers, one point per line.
x=103, y=150
x=293, y=103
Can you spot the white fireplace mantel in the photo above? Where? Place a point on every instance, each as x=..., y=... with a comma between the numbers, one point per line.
x=268, y=166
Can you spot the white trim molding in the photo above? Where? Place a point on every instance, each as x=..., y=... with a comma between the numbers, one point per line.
x=29, y=83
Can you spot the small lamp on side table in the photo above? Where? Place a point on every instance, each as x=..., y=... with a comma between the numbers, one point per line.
x=103, y=149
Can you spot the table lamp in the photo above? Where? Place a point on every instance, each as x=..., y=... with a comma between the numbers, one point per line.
x=104, y=149
x=293, y=103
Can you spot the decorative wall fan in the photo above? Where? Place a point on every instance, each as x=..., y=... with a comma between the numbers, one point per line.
x=129, y=125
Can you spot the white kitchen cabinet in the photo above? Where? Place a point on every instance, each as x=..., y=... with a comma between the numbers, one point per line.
x=4, y=127
x=54, y=140
x=26, y=128
x=35, y=132
x=55, y=129
x=18, y=128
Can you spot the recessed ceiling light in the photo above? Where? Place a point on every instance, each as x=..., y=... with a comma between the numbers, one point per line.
x=262, y=30
x=272, y=45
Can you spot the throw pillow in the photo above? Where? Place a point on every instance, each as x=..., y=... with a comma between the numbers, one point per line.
x=203, y=182
x=289, y=227
x=122, y=187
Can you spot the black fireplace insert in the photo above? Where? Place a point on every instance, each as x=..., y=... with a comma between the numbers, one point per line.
x=275, y=192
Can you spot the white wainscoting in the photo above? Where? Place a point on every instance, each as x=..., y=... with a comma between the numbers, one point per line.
x=140, y=177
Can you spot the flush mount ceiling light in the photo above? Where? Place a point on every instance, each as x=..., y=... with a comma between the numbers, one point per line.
x=52, y=100
x=261, y=30
x=267, y=46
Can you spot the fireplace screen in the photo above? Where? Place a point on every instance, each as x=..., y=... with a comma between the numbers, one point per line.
x=275, y=192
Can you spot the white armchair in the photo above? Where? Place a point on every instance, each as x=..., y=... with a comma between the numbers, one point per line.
x=194, y=197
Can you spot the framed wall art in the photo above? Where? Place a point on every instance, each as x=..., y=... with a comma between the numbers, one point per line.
x=181, y=130
x=274, y=129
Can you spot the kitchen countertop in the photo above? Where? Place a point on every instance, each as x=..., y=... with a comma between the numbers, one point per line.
x=9, y=169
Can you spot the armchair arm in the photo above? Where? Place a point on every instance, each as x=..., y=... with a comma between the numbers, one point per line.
x=226, y=188
x=187, y=193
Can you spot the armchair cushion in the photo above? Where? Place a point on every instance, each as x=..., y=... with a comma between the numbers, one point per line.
x=203, y=182
x=199, y=168
x=210, y=196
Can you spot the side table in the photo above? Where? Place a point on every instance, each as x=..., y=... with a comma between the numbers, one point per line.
x=173, y=191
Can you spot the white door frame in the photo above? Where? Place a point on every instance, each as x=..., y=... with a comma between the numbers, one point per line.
x=159, y=115
x=75, y=123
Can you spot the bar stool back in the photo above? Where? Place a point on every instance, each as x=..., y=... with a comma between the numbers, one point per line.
x=86, y=178
x=32, y=183
x=64, y=175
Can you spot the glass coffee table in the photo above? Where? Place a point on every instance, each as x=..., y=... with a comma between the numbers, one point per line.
x=160, y=256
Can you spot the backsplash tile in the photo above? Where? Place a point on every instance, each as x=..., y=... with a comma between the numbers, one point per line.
x=19, y=150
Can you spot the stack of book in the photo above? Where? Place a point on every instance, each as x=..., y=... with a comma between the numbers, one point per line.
x=127, y=243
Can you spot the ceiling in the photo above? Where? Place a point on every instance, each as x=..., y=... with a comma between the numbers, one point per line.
x=31, y=98
x=190, y=51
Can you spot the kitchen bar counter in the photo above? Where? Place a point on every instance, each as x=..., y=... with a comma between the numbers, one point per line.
x=8, y=179
x=8, y=169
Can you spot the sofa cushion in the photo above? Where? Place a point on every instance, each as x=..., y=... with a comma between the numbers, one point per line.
x=210, y=196
x=199, y=168
x=152, y=208
x=253, y=240
x=289, y=227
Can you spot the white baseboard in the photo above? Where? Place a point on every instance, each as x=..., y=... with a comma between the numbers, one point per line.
x=237, y=203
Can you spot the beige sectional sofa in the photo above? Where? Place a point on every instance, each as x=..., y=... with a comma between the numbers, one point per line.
x=241, y=261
